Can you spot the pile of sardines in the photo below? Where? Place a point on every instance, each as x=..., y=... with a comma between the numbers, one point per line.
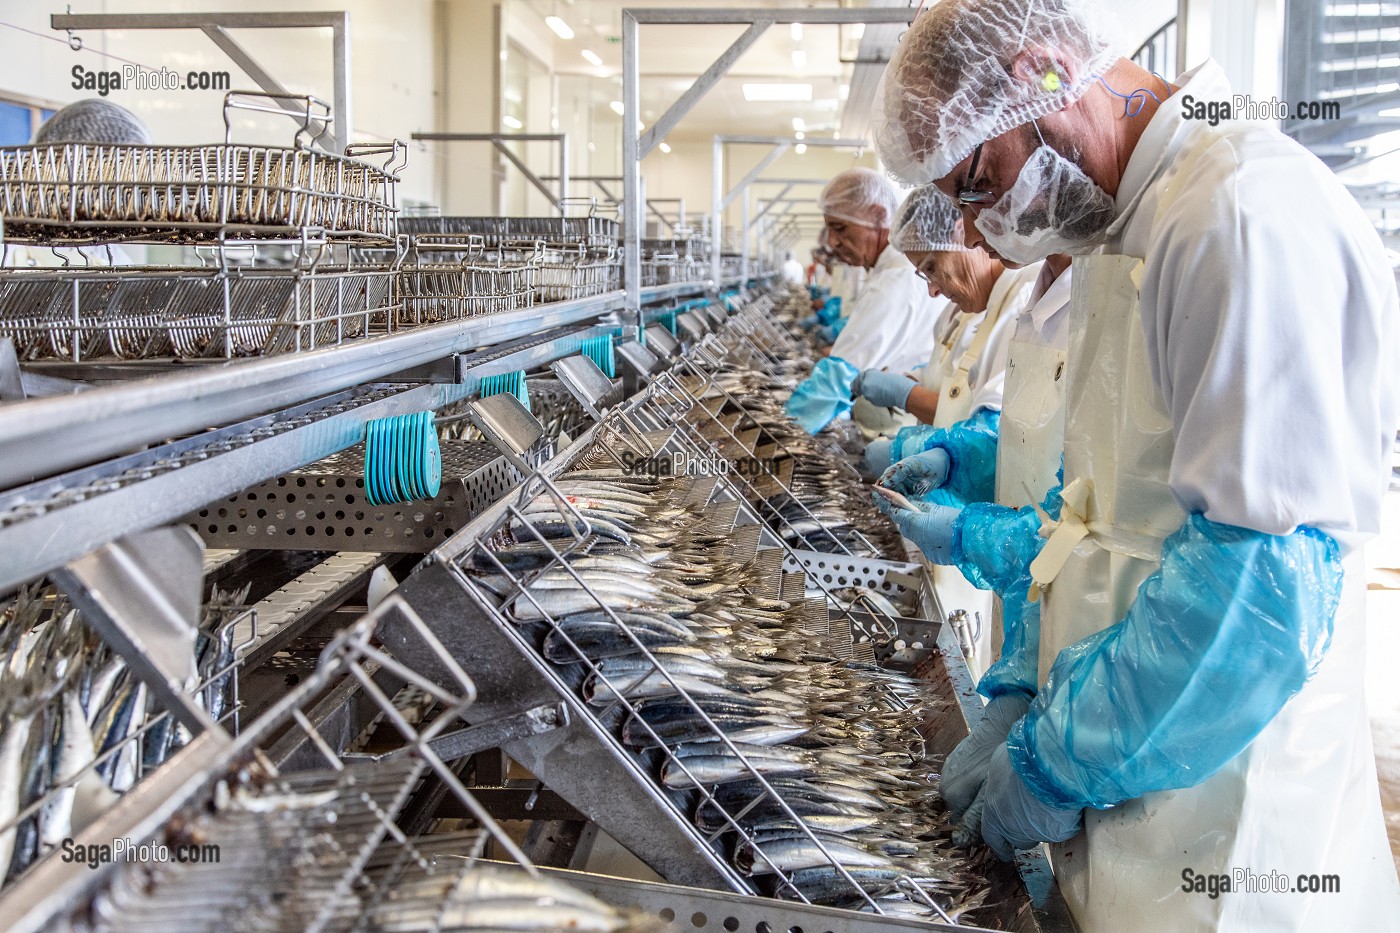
x=837, y=742
x=77, y=728
x=826, y=507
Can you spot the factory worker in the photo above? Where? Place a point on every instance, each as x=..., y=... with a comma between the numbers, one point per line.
x=994, y=543
x=985, y=300
x=968, y=359
x=890, y=323
x=792, y=270
x=1230, y=405
x=99, y=122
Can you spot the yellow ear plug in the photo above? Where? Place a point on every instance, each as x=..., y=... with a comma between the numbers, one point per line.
x=1051, y=81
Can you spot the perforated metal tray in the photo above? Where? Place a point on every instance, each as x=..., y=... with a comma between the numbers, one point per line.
x=323, y=506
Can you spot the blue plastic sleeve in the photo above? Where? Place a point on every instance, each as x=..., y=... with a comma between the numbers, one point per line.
x=993, y=546
x=830, y=311
x=1228, y=628
x=824, y=395
x=972, y=456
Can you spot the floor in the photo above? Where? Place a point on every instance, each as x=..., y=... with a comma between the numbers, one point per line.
x=1382, y=648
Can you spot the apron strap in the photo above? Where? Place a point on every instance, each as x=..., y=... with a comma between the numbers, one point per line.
x=1063, y=535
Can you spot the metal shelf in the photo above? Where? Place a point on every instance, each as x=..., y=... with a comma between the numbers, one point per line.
x=50, y=522
x=44, y=436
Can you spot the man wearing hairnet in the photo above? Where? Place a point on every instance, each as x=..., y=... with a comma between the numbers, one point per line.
x=1230, y=405
x=890, y=323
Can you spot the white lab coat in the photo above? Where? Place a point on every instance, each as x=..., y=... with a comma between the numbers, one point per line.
x=793, y=273
x=1266, y=320
x=891, y=322
x=845, y=283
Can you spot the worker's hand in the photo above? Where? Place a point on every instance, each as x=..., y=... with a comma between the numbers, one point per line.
x=882, y=389
x=965, y=771
x=1014, y=818
x=878, y=455
x=931, y=528
x=917, y=475
x=809, y=322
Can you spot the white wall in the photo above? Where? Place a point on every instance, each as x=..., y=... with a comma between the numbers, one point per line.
x=391, y=57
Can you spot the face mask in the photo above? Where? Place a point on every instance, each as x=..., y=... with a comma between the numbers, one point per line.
x=1052, y=208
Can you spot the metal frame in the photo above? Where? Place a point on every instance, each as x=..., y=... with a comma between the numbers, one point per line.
x=635, y=147
x=216, y=26
x=499, y=140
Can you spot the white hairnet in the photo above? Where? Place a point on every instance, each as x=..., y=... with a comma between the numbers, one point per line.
x=949, y=87
x=860, y=196
x=927, y=222
x=94, y=121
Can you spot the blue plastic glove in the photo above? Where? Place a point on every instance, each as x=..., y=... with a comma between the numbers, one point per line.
x=931, y=528
x=1014, y=818
x=823, y=396
x=884, y=390
x=916, y=475
x=878, y=455
x=809, y=322
x=1228, y=628
x=966, y=768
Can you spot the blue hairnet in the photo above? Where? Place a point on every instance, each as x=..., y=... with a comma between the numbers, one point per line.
x=1233, y=620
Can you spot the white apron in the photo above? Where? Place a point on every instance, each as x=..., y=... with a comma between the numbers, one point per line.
x=1031, y=436
x=1302, y=797
x=954, y=405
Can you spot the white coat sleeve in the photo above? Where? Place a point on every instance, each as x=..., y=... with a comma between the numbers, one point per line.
x=1269, y=316
x=878, y=331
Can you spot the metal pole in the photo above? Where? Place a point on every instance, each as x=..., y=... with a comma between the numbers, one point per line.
x=631, y=174
x=744, y=249
x=716, y=220
x=563, y=171
x=340, y=68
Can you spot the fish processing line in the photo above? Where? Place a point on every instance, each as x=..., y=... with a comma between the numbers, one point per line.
x=389, y=649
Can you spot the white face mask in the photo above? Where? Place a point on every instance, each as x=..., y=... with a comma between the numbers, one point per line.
x=1052, y=208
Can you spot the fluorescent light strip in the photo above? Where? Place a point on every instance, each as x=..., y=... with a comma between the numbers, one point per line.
x=560, y=28
x=592, y=58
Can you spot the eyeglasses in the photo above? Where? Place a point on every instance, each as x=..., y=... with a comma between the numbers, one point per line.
x=968, y=193
x=921, y=270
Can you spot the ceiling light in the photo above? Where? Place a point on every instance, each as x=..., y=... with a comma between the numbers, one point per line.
x=796, y=32
x=799, y=125
x=777, y=92
x=665, y=147
x=512, y=122
x=561, y=28
x=799, y=58
x=801, y=136
x=592, y=58
x=801, y=148
x=616, y=107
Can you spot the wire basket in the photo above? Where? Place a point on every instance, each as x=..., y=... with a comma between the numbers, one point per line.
x=448, y=276
x=219, y=311
x=589, y=231
x=75, y=193
x=567, y=274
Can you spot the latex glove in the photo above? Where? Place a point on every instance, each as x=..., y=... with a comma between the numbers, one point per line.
x=828, y=333
x=809, y=322
x=878, y=455
x=931, y=528
x=966, y=768
x=1013, y=818
x=884, y=390
x=917, y=475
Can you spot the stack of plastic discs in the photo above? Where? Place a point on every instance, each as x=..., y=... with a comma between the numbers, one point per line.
x=402, y=459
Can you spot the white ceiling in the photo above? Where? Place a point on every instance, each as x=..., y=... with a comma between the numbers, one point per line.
x=672, y=56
